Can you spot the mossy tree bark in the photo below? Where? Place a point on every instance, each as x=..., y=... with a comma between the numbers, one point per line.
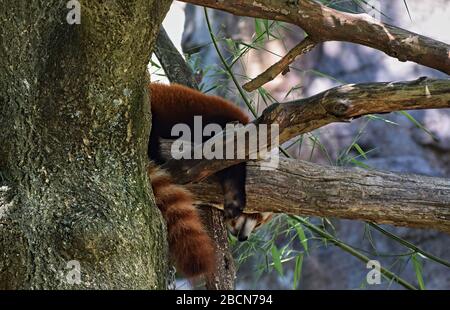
x=74, y=125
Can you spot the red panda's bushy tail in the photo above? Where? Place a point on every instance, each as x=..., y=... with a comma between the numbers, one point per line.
x=189, y=244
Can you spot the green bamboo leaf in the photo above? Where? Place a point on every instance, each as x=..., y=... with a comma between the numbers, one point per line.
x=417, y=264
x=298, y=270
x=154, y=64
x=379, y=118
x=302, y=237
x=267, y=28
x=259, y=31
x=360, y=150
x=418, y=124
x=276, y=258
x=359, y=163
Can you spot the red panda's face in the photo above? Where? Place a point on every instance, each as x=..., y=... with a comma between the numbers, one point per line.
x=242, y=226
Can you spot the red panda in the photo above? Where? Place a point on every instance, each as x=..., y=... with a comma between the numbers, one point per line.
x=189, y=244
x=175, y=104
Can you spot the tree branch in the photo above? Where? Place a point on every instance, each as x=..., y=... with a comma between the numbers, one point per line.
x=272, y=72
x=326, y=24
x=302, y=188
x=174, y=65
x=339, y=104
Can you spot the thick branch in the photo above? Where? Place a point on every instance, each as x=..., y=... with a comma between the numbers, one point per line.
x=174, y=65
x=302, y=188
x=338, y=104
x=325, y=24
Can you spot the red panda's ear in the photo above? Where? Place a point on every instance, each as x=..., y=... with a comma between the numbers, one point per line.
x=242, y=226
x=266, y=217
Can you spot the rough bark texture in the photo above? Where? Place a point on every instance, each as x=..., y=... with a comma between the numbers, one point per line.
x=326, y=24
x=173, y=63
x=302, y=188
x=340, y=104
x=225, y=276
x=179, y=72
x=74, y=124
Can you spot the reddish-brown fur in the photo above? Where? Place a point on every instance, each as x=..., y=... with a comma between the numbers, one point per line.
x=173, y=104
x=190, y=247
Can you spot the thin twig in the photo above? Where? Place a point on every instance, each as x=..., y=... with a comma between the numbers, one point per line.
x=327, y=24
x=306, y=45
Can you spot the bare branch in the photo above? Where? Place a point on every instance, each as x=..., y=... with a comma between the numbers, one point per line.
x=303, y=47
x=302, y=188
x=326, y=24
x=174, y=65
x=338, y=104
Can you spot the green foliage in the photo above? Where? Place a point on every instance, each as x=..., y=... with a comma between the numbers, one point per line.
x=276, y=258
x=418, y=124
x=284, y=244
x=417, y=264
x=298, y=270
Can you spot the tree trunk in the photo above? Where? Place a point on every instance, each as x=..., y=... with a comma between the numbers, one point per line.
x=74, y=125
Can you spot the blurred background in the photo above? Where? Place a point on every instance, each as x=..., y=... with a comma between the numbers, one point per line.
x=286, y=254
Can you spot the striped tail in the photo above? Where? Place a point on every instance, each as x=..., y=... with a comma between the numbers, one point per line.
x=190, y=247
